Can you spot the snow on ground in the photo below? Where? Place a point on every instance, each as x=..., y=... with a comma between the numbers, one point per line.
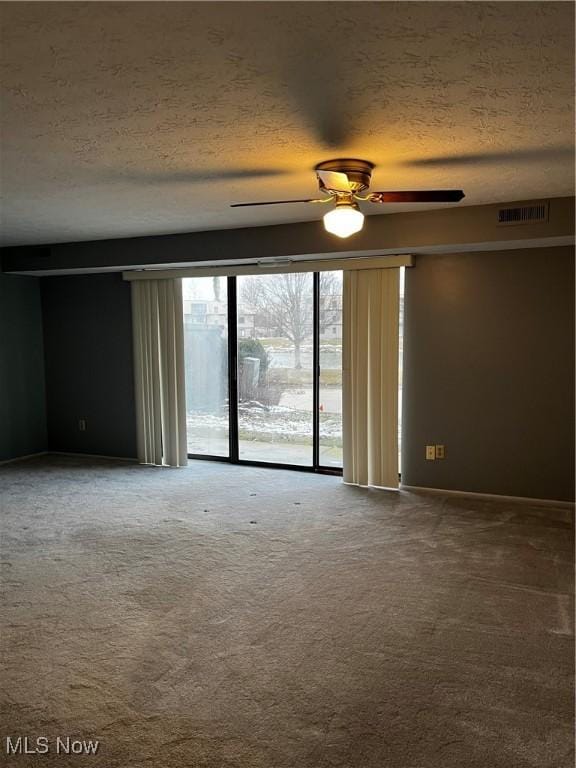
x=275, y=422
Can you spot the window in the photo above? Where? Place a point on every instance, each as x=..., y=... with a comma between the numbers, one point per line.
x=264, y=368
x=275, y=369
x=400, y=364
x=330, y=359
x=206, y=366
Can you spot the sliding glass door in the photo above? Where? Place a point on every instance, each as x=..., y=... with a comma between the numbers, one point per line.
x=205, y=303
x=275, y=368
x=330, y=369
x=264, y=368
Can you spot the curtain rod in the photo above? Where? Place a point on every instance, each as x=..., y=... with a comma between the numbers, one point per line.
x=278, y=266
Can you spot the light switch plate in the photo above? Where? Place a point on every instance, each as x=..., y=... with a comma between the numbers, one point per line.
x=430, y=452
x=440, y=452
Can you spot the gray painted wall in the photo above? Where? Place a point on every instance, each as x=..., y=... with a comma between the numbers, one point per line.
x=489, y=372
x=22, y=393
x=89, y=370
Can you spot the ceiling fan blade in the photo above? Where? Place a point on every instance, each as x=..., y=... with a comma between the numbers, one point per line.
x=334, y=180
x=138, y=176
x=522, y=155
x=314, y=70
x=422, y=196
x=274, y=202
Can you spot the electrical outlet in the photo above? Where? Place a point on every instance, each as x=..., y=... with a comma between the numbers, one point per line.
x=82, y=425
x=430, y=452
x=440, y=452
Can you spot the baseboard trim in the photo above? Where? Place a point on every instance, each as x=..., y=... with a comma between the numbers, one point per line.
x=490, y=496
x=402, y=487
x=23, y=458
x=375, y=487
x=91, y=456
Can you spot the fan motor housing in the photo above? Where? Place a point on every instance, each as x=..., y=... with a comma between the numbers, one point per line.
x=359, y=172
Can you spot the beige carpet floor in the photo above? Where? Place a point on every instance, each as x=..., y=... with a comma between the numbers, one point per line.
x=233, y=617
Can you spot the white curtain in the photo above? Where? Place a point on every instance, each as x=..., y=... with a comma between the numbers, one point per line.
x=370, y=376
x=158, y=331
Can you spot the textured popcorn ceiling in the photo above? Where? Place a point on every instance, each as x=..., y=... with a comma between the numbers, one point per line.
x=127, y=119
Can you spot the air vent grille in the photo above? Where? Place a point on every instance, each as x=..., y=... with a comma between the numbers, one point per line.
x=526, y=214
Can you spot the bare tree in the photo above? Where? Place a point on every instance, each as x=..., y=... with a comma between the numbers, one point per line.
x=283, y=304
x=330, y=310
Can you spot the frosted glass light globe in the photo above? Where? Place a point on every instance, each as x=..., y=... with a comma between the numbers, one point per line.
x=344, y=220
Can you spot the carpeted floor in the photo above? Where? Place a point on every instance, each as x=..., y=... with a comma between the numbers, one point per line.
x=233, y=617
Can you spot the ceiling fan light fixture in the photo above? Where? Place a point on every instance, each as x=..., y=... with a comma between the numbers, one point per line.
x=344, y=220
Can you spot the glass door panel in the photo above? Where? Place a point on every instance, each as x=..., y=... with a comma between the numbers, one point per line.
x=206, y=360
x=400, y=364
x=330, y=360
x=275, y=368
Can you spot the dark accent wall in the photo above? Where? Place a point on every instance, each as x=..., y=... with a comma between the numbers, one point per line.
x=489, y=372
x=22, y=393
x=89, y=371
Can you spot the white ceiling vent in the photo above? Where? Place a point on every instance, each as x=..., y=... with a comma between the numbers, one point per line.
x=526, y=214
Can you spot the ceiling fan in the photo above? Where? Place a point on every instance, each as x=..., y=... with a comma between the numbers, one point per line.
x=343, y=182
